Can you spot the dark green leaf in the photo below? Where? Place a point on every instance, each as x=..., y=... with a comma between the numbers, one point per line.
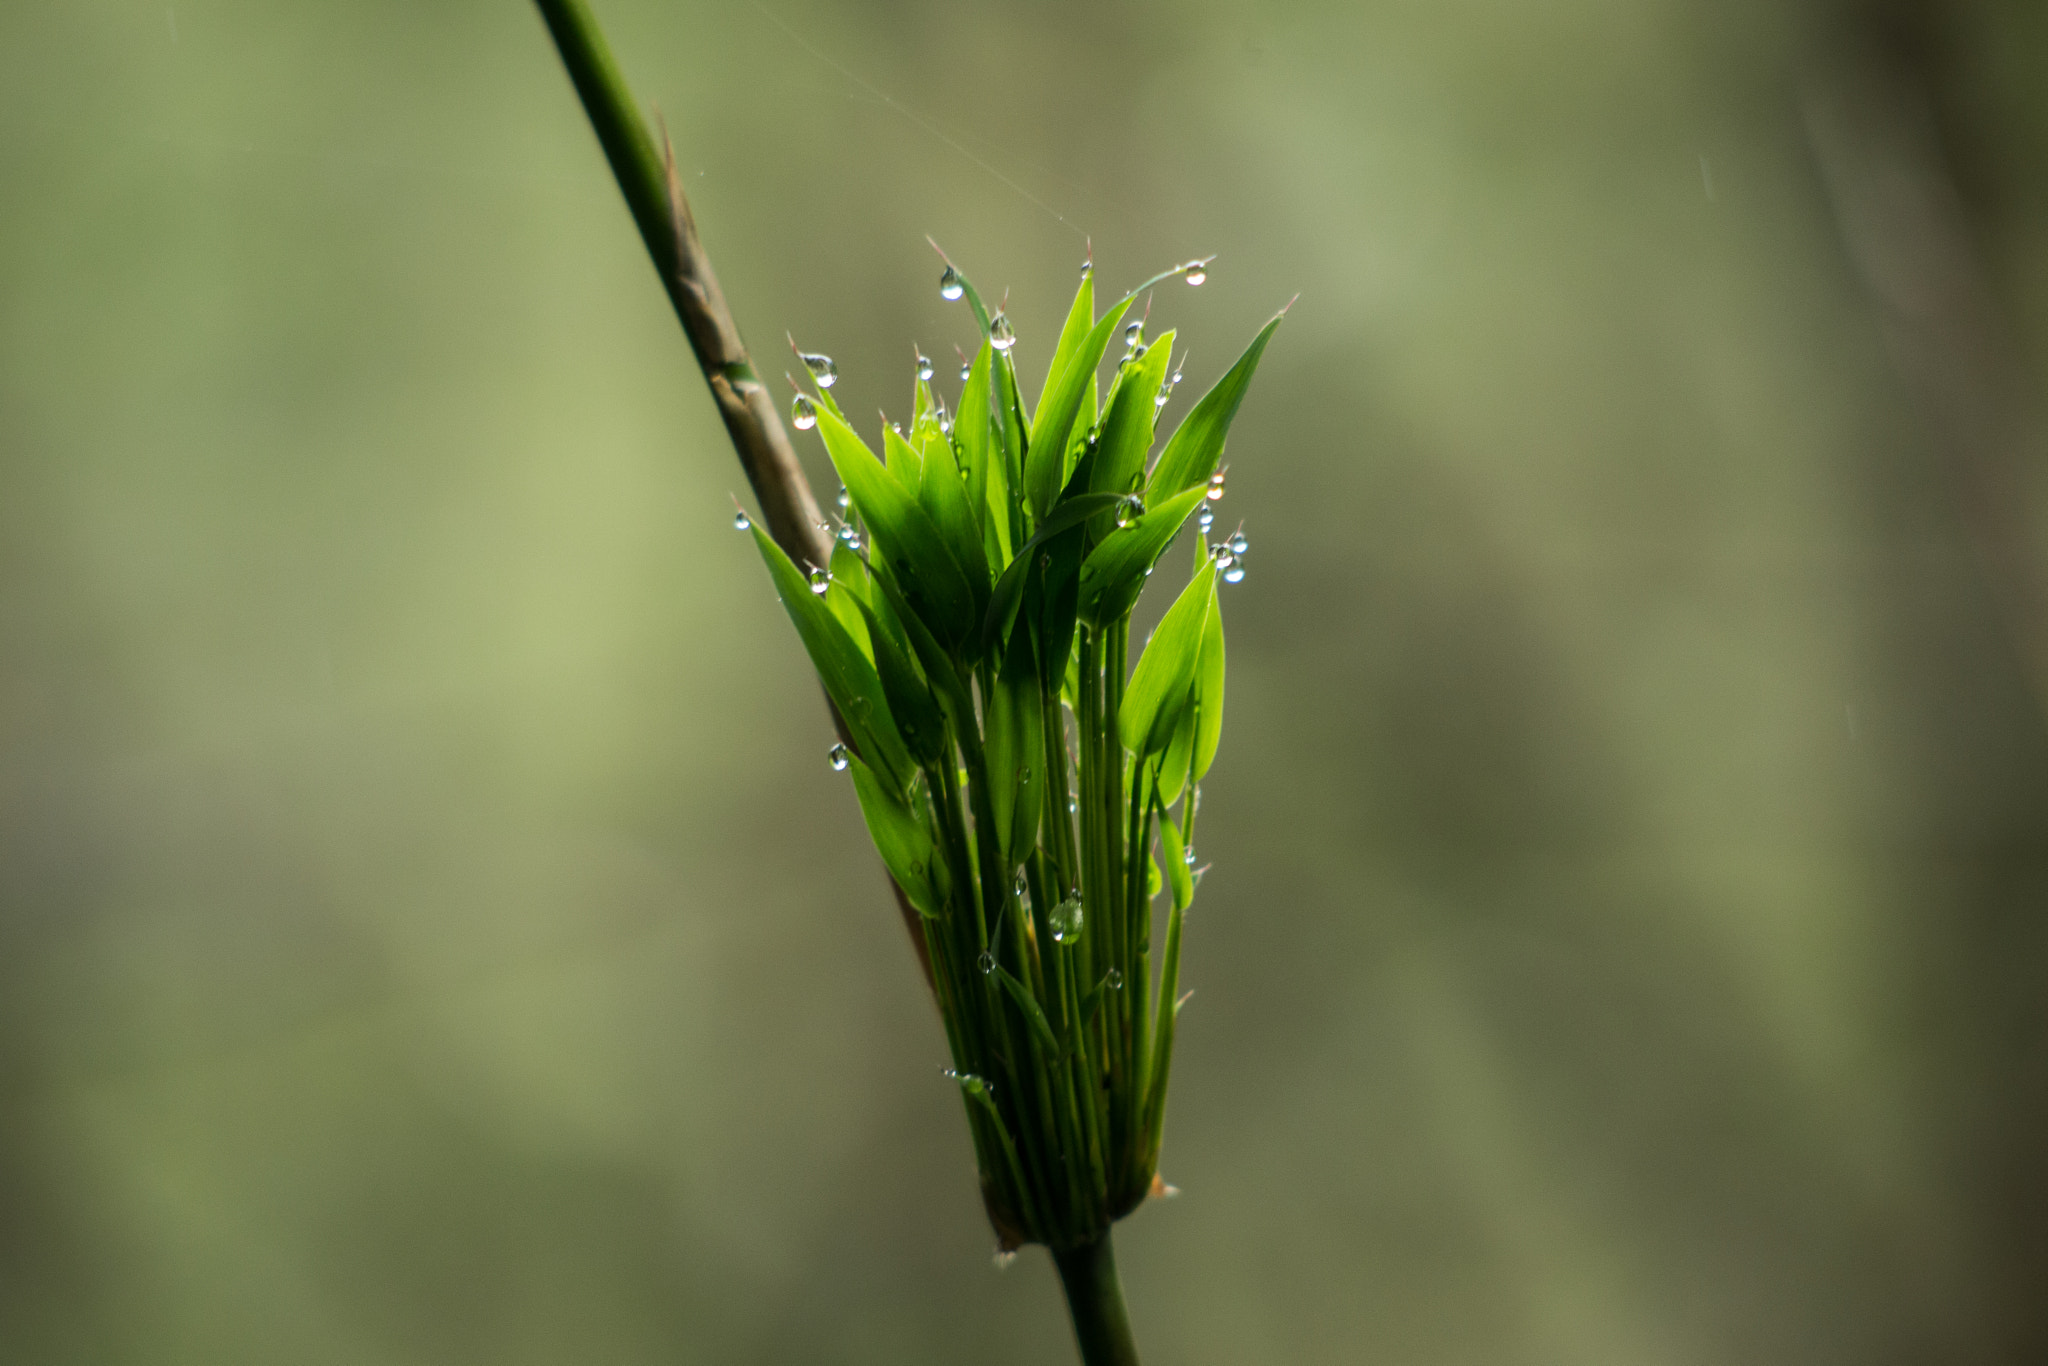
x=903, y=840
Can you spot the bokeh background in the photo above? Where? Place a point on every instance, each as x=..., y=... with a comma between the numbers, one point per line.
x=429, y=929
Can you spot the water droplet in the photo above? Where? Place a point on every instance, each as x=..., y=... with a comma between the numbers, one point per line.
x=1072, y=806
x=1087, y=268
x=1067, y=920
x=1133, y=332
x=1003, y=1257
x=1138, y=352
x=1237, y=543
x=1159, y=399
x=1173, y=378
x=966, y=369
x=821, y=367
x=1215, y=486
x=1188, y=856
x=896, y=427
x=1206, y=520
x=1197, y=272
x=987, y=962
x=740, y=522
x=803, y=414
x=1115, y=979
x=820, y=581
x=950, y=287
x=851, y=535
x=1128, y=511
x=1023, y=887
x=838, y=757
x=1234, y=573
x=1001, y=335
x=1222, y=556
x=924, y=366
x=845, y=498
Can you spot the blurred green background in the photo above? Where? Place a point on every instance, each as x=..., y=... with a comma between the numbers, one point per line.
x=429, y=929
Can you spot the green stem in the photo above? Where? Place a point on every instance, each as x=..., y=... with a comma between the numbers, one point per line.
x=1096, y=1300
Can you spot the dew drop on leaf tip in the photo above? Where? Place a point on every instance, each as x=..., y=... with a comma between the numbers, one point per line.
x=838, y=757
x=845, y=498
x=803, y=414
x=924, y=366
x=950, y=287
x=1133, y=332
x=987, y=962
x=1115, y=979
x=820, y=581
x=740, y=522
x=1235, y=573
x=1216, y=486
x=966, y=369
x=1237, y=544
x=1206, y=520
x=821, y=367
x=1001, y=335
x=1197, y=272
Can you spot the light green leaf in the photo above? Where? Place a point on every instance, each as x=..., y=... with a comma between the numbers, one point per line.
x=1045, y=461
x=1080, y=317
x=1163, y=684
x=1191, y=456
x=928, y=576
x=1127, y=431
x=1114, y=573
x=900, y=837
x=849, y=679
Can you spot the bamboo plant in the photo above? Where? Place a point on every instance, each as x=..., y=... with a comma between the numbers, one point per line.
x=1030, y=787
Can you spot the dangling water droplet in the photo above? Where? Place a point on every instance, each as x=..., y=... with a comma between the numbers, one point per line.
x=1003, y=1257
x=740, y=522
x=1127, y=512
x=1215, y=486
x=821, y=367
x=1115, y=979
x=966, y=369
x=1197, y=272
x=851, y=535
x=924, y=366
x=1234, y=573
x=1173, y=378
x=820, y=581
x=1222, y=556
x=896, y=427
x=1138, y=352
x=803, y=414
x=845, y=498
x=838, y=757
x=1072, y=806
x=1023, y=887
x=1087, y=268
x=1000, y=334
x=987, y=962
x=1159, y=399
x=1132, y=333
x=950, y=287
x=1237, y=543
x=1188, y=856
x=1206, y=520
x=1067, y=920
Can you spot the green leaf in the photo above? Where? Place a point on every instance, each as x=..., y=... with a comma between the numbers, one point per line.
x=1034, y=1014
x=1162, y=686
x=1191, y=456
x=1045, y=461
x=1080, y=317
x=904, y=842
x=1127, y=431
x=911, y=704
x=1009, y=590
x=1013, y=752
x=850, y=681
x=849, y=586
x=929, y=578
x=944, y=499
x=1114, y=573
x=1209, y=690
x=1177, y=875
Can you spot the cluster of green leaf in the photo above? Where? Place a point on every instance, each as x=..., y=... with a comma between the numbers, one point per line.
x=1016, y=776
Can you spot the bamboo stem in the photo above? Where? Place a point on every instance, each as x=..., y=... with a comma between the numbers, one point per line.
x=647, y=178
x=1095, y=1297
